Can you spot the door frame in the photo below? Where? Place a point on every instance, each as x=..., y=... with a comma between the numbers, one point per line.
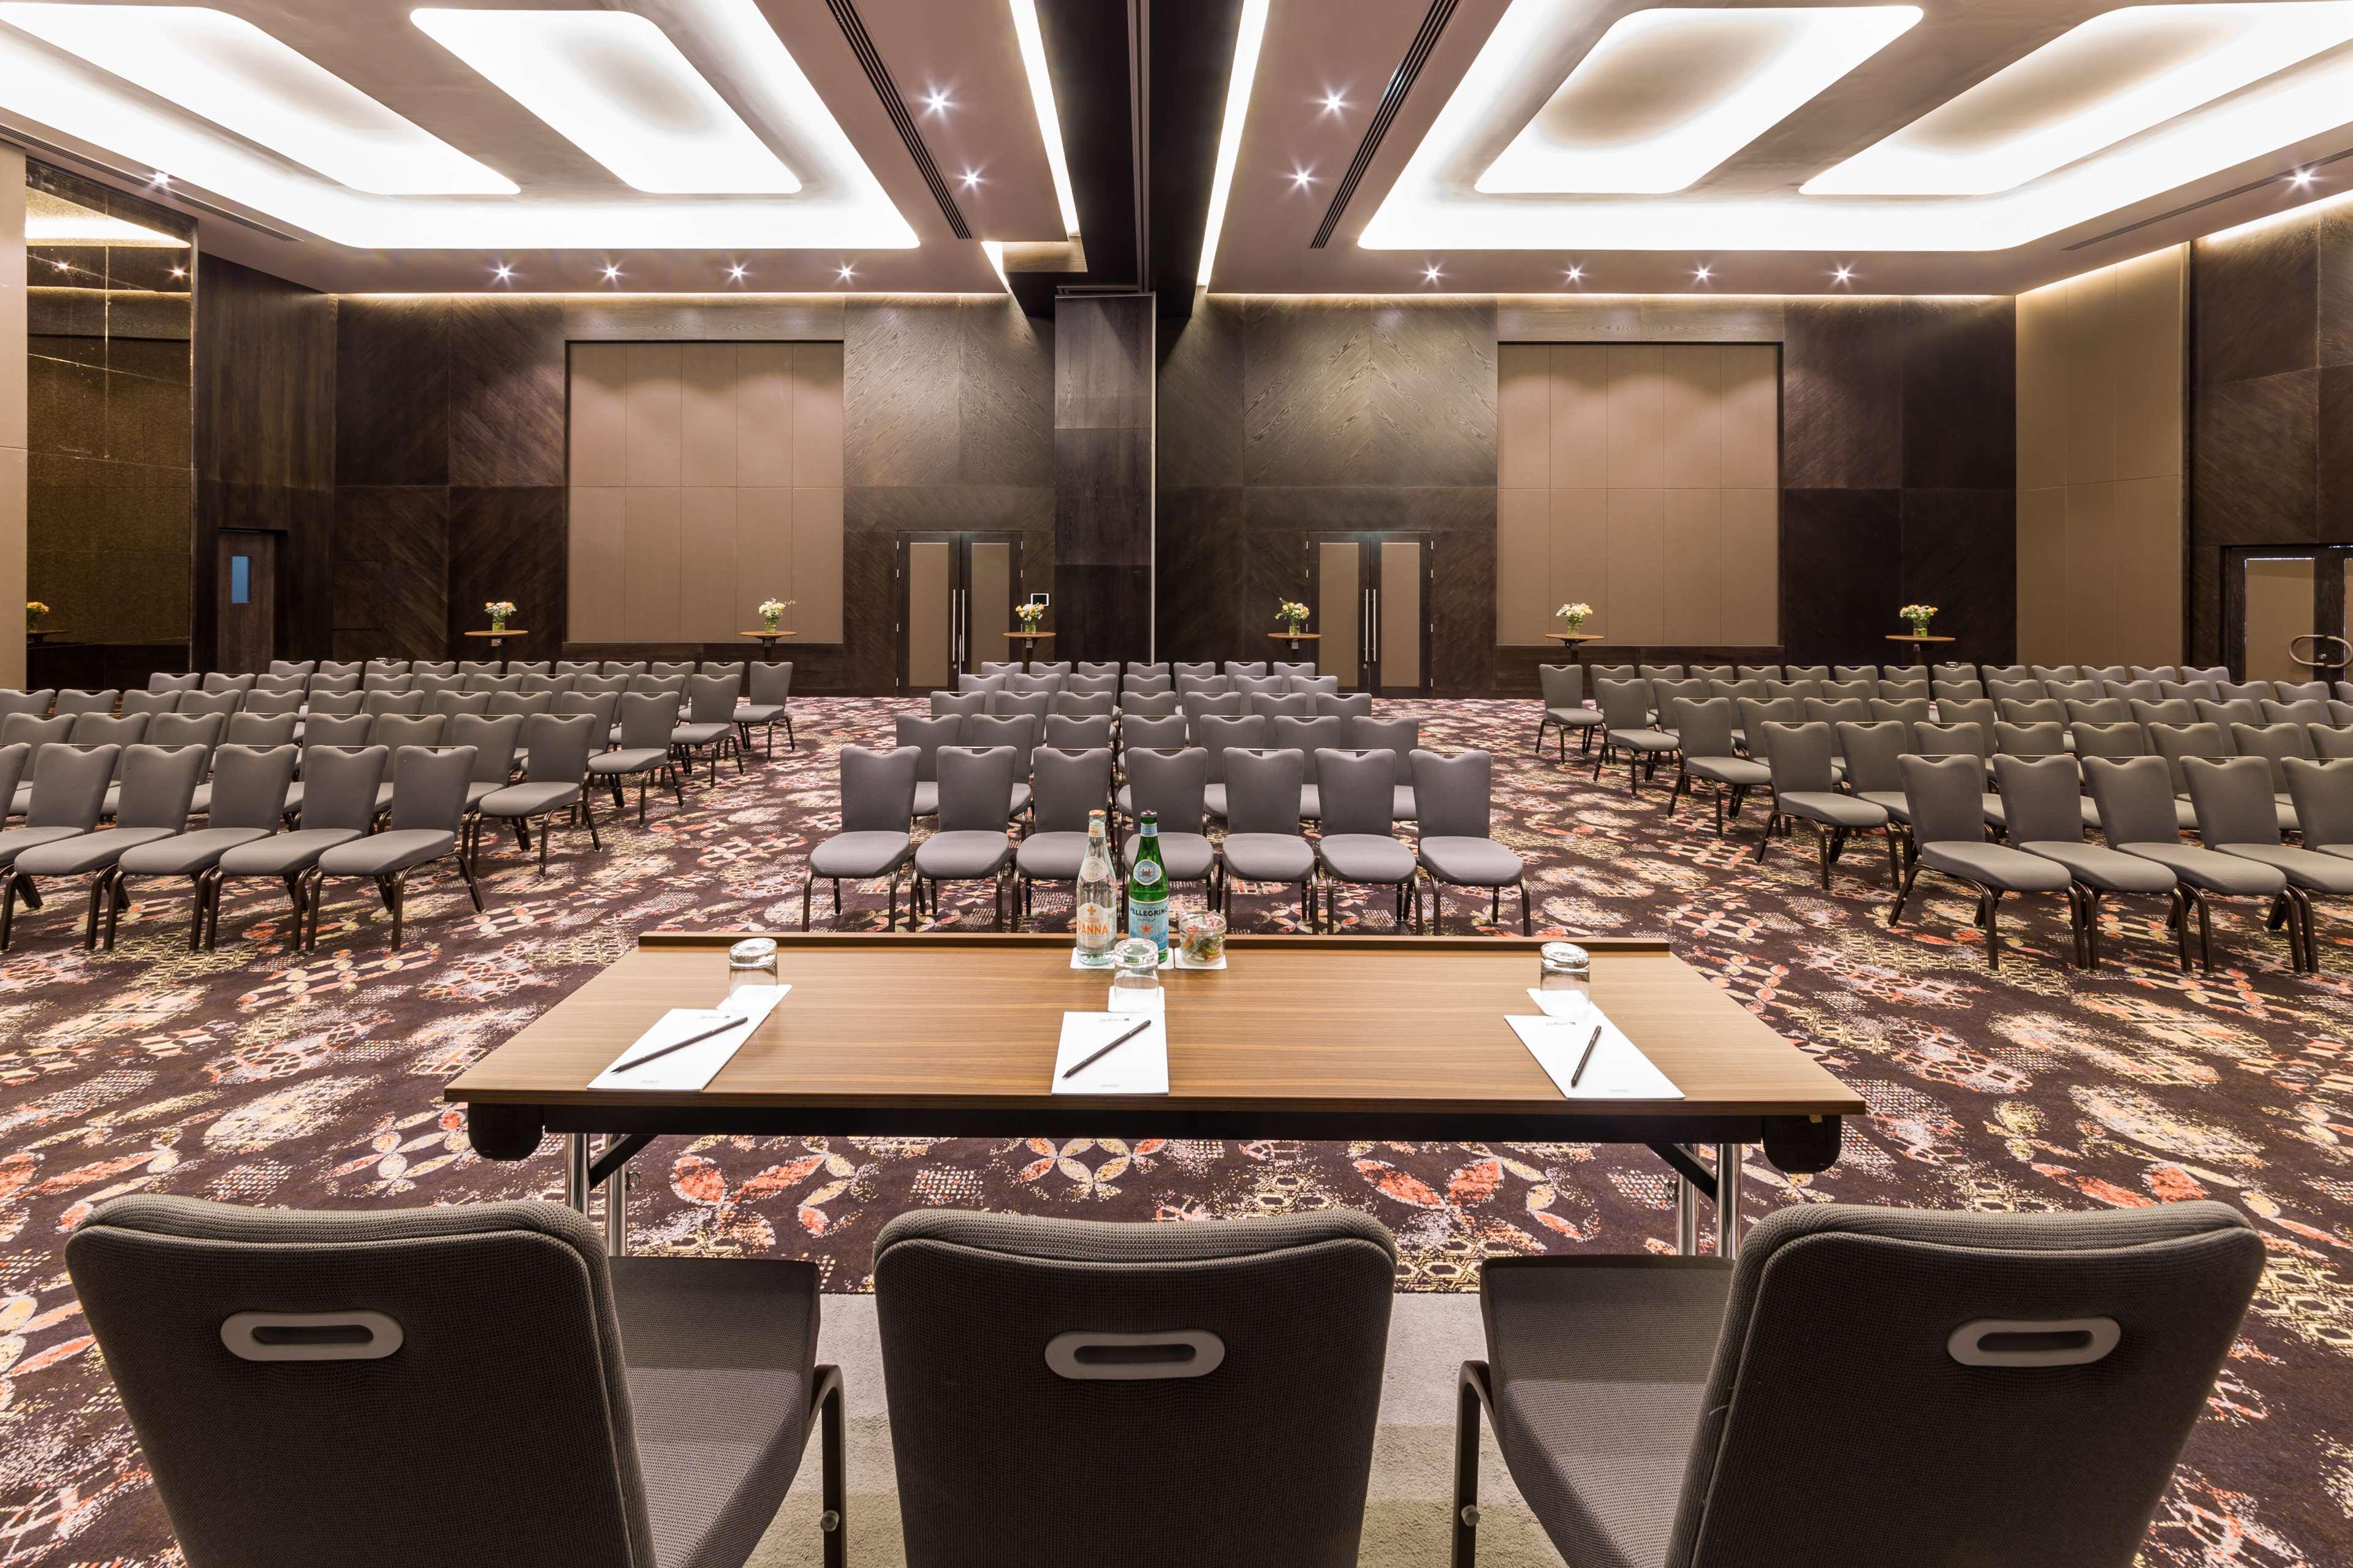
x=2330, y=563
x=1369, y=587
x=959, y=541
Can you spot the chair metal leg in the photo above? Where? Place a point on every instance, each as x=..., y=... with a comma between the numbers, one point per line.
x=90, y=916
x=2205, y=936
x=1992, y=900
x=1526, y=927
x=833, y=1520
x=1727, y=1200
x=546, y=831
x=1469, y=1396
x=1895, y=911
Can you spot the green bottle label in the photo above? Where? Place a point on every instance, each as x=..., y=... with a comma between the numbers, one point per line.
x=1147, y=886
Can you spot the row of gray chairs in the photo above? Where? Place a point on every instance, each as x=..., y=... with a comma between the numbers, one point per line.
x=1946, y=672
x=2061, y=1359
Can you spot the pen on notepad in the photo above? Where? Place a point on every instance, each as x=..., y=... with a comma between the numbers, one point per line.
x=1591, y=1041
x=1130, y=1033
x=681, y=1045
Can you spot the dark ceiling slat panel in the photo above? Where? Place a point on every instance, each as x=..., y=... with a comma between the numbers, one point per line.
x=1192, y=62
x=1392, y=99
x=854, y=28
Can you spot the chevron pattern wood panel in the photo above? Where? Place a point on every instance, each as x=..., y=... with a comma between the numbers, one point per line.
x=506, y=392
x=392, y=390
x=507, y=543
x=391, y=570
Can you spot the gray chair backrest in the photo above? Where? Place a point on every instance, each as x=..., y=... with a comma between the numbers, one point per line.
x=336, y=730
x=963, y=704
x=552, y=685
x=1307, y=736
x=1021, y=705
x=1564, y=685
x=458, y=704
x=2301, y=690
x=31, y=704
x=1254, y=668
x=340, y=670
x=1314, y=686
x=600, y=707
x=1629, y=672
x=1398, y=737
x=2165, y=711
x=2029, y=739
x=975, y=783
x=1850, y=710
x=1846, y=690
x=1354, y=705
x=1755, y=715
x=1000, y=667
x=1091, y=686
x=1658, y=671
x=677, y=668
x=2036, y=710
x=2305, y=711
x=1910, y=674
x=149, y=702
x=673, y=684
x=385, y=667
x=229, y=682
x=2131, y=690
x=36, y=732
x=592, y=685
x=1976, y=710
x=1050, y=667
x=330, y=704
x=1165, y=733
x=2102, y=710
x=1356, y=790
x=530, y=667
x=2109, y=739
x=428, y=788
x=1078, y=705
x=1256, y=684
x=1097, y=668
x=2275, y=744
x=417, y=1307
x=481, y=667
x=2244, y=691
x=2160, y=672
x=249, y=785
x=269, y=704
x=732, y=668
x=393, y=731
x=159, y=783
x=1170, y=783
x=211, y=701
x=505, y=682
x=2047, y=672
x=2175, y=743
x=1262, y=790
x=1300, y=705
x=1856, y=671
x=375, y=702
x=771, y=684
x=79, y=702
x=493, y=742
x=1951, y=741
x=927, y=736
x=205, y=729
x=2072, y=691
x=1452, y=797
x=1710, y=672
x=1738, y=691
x=2041, y=798
x=1199, y=669
x=376, y=681
x=339, y=785
x=70, y=785
x=2233, y=799
x=1077, y=734
x=711, y=698
x=2014, y=691
x=1149, y=704
x=969, y=682
x=194, y=682
x=1019, y=733
x=1759, y=671
x=1217, y=735
x=556, y=747
x=1874, y=754
x=578, y=666
x=645, y=718
x=100, y=729
x=334, y=684
x=505, y=704
x=1903, y=710
x=878, y=788
x=2322, y=794
x=2187, y=691
x=1703, y=727
x=623, y=666
x=1028, y=683
x=1799, y=756
x=1624, y=704
x=1800, y=689
x=1946, y=797
x=15, y=765
x=1200, y=705
x=2331, y=741
x=1665, y=692
x=262, y=729
x=1070, y=783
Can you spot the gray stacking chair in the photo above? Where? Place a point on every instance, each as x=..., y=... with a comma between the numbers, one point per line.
x=2322, y=794
x=249, y=797
x=1756, y=713
x=1217, y=735
x=767, y=704
x=709, y=726
x=2042, y=801
x=578, y=666
x=1356, y=845
x=494, y=741
x=1077, y=705
x=1104, y=685
x=971, y=845
x=1021, y=733
x=1626, y=727
x=530, y=667
x=31, y=704
x=2328, y=742
x=1713, y=672
x=1949, y=671
x=2174, y=710
x=1255, y=668
x=184, y=729
x=2276, y=743
x=2040, y=711
x=1021, y=683
x=963, y=704
x=1305, y=669
x=517, y=704
x=1204, y=669
x=1847, y=690
x=2072, y=691
x=240, y=684
x=157, y=784
x=2101, y=711
x=1308, y=736
x=1960, y=741
x=16, y=762
x=672, y=669
x=1359, y=705
x=1149, y=705
x=1800, y=689
x=613, y=666
x=262, y=731
x=1631, y=672
x=379, y=680
x=2160, y=672
x=339, y=791
x=1398, y=738
x=1264, y=795
x=54, y=803
x=1759, y=671
x=1259, y=685
x=556, y=750
x=149, y=702
x=37, y=735
x=1071, y=782
x=1814, y=672
x=1837, y=711
x=511, y=684
x=336, y=730
x=428, y=814
x=1251, y=1349
x=674, y=685
x=546, y=685
x=339, y=669
x=878, y=803
x=1015, y=705
x=2131, y=690
x=1804, y=781
x=1171, y=786
x=2235, y=818
x=385, y=667
x=1097, y=668
x=333, y=705
x=2047, y=673
x=1658, y=672
x=1948, y=839
x=2178, y=744
x=1199, y=705
x=1856, y=672
x=2186, y=690
x=1301, y=705
x=1644, y=1405
x=2036, y=741
x=2015, y=690
x=970, y=683
x=2244, y=691
x=2301, y=690
x=1456, y=802
x=605, y=707
x=1873, y=757
x=1705, y=731
x=1904, y=709
x=1664, y=694
x=481, y=667
x=2137, y=815
x=927, y=736
x=676, y=1394
x=1079, y=734
x=374, y=703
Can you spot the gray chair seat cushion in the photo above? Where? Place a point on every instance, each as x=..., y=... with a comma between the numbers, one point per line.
x=382, y=854
x=1186, y=857
x=283, y=852
x=1471, y=862
x=2185, y=813
x=2306, y=868
x=480, y=791
x=1599, y=1370
x=1641, y=740
x=2109, y=871
x=644, y=760
x=86, y=852
x=1890, y=801
x=1123, y=800
x=1213, y=800
x=699, y=734
x=758, y=712
x=1576, y=717
x=17, y=840
x=1056, y=857
x=1738, y=771
x=185, y=853
x=1997, y=814
x=719, y=1355
x=2213, y=872
x=1373, y=856
x=1401, y=805
x=872, y=854
x=529, y=799
x=1996, y=865
x=1829, y=806
x=1269, y=858
x=927, y=798
x=957, y=857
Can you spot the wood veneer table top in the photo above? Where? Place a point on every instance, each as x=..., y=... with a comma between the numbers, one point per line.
x=922, y=1031
x=508, y=632
x=1296, y=636
x=1908, y=636
x=1574, y=636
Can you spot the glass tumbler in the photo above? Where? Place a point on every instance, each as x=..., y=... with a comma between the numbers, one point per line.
x=1566, y=979
x=751, y=962
x=1138, y=972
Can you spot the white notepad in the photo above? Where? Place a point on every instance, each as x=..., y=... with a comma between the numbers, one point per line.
x=1138, y=1067
x=692, y=1068
x=1619, y=1070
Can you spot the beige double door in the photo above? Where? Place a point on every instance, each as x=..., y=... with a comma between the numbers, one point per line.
x=956, y=593
x=2283, y=611
x=1372, y=603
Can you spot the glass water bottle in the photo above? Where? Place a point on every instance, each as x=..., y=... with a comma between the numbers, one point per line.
x=1094, y=919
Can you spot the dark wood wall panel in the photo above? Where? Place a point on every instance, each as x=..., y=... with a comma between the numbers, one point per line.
x=507, y=543
x=392, y=390
x=507, y=394
x=1104, y=372
x=391, y=572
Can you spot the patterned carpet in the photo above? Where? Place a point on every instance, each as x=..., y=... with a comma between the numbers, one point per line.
x=256, y=1076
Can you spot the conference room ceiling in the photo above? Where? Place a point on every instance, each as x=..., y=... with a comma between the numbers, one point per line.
x=1385, y=146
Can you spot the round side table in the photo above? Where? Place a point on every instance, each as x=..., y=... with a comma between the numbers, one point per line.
x=767, y=643
x=1028, y=641
x=498, y=638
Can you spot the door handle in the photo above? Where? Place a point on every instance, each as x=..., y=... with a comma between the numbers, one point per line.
x=1377, y=625
x=2320, y=663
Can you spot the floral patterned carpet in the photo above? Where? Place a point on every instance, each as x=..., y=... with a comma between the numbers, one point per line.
x=257, y=1075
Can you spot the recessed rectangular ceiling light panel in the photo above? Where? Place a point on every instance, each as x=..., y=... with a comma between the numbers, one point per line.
x=2113, y=76
x=614, y=85
x=1667, y=95
x=1041, y=101
x=232, y=73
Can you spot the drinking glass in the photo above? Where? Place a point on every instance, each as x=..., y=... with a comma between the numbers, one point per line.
x=1565, y=977
x=1139, y=969
x=751, y=962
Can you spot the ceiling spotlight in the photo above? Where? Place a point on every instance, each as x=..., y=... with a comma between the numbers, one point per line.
x=969, y=178
x=1429, y=275
x=1333, y=103
x=162, y=178
x=504, y=271
x=735, y=270
x=1844, y=273
x=935, y=101
x=846, y=272
x=179, y=272
x=1577, y=275
x=612, y=272
x=1301, y=178
x=2301, y=176
x=1701, y=274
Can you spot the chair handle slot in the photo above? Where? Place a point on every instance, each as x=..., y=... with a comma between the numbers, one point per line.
x=2009, y=1342
x=310, y=1336
x=1084, y=1357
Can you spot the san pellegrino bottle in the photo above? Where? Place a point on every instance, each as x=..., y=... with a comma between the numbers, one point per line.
x=1147, y=886
x=1095, y=918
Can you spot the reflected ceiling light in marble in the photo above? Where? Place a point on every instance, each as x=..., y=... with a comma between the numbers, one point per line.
x=2110, y=78
x=613, y=84
x=1247, y=41
x=53, y=220
x=232, y=73
x=1667, y=95
x=1041, y=98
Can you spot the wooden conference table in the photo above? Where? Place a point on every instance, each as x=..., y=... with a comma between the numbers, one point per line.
x=1314, y=1037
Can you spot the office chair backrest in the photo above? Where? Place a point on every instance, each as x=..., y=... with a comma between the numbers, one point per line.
x=339, y=785
x=878, y=788
x=1070, y=783
x=243, y=1341
x=1251, y=1351
x=2057, y=1361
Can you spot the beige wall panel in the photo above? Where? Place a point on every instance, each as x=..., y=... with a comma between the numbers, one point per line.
x=1637, y=564
x=2279, y=608
x=650, y=586
x=2092, y=541
x=706, y=415
x=601, y=414
x=706, y=563
x=2148, y=365
x=2041, y=390
x=1752, y=415
x=1580, y=415
x=1397, y=637
x=1523, y=566
x=817, y=565
x=1340, y=612
x=1691, y=402
x=764, y=555
x=1750, y=567
x=1581, y=556
x=929, y=612
x=595, y=568
x=1637, y=418
x=2087, y=339
x=14, y=502
x=2044, y=634
x=1522, y=415
x=764, y=415
x=654, y=413
x=2148, y=587
x=816, y=415
x=1690, y=566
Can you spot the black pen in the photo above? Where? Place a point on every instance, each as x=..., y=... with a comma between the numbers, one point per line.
x=1591, y=1040
x=681, y=1045
x=1133, y=1030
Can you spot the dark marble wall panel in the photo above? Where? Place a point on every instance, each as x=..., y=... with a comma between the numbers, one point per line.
x=1959, y=553
x=1198, y=437
x=1103, y=499
x=900, y=422
x=1005, y=391
x=1382, y=393
x=1104, y=363
x=2255, y=459
x=507, y=543
x=1842, y=378
x=392, y=390
x=1841, y=573
x=1960, y=395
x=507, y=392
x=2257, y=303
x=392, y=571
x=1200, y=585
x=1104, y=369
x=1463, y=614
